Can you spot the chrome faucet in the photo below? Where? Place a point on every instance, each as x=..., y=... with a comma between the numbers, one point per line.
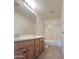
x=16, y=35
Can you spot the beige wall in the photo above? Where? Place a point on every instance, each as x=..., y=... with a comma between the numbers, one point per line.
x=53, y=29
x=23, y=25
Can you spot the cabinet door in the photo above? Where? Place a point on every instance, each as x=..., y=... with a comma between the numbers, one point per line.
x=41, y=45
x=20, y=54
x=37, y=47
x=30, y=52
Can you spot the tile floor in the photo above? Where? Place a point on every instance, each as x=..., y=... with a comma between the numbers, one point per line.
x=51, y=53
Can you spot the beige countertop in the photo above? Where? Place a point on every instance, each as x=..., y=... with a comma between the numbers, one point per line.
x=23, y=38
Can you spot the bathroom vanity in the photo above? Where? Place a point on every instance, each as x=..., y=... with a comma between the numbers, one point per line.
x=28, y=48
x=25, y=23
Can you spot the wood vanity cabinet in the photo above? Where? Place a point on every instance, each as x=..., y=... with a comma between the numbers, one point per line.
x=28, y=49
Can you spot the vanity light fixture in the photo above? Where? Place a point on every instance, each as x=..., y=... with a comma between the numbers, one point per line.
x=30, y=3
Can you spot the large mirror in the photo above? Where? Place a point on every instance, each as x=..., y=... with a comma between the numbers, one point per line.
x=24, y=20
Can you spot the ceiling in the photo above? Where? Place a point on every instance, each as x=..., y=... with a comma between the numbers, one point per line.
x=48, y=9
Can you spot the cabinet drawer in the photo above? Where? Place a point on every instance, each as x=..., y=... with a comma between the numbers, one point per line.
x=18, y=45
x=29, y=43
x=20, y=51
x=22, y=44
x=37, y=43
x=37, y=40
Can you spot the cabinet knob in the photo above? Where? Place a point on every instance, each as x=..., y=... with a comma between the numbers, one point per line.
x=24, y=51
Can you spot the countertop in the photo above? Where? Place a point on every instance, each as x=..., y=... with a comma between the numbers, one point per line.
x=26, y=38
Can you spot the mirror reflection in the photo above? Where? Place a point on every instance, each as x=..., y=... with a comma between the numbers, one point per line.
x=24, y=20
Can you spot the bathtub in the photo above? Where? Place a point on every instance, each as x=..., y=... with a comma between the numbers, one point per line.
x=59, y=43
